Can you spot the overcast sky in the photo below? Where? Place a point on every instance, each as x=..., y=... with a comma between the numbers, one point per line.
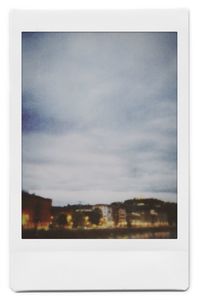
x=99, y=116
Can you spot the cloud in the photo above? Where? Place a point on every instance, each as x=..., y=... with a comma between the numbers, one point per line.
x=99, y=115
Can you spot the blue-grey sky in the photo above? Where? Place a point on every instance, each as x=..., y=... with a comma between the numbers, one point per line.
x=99, y=116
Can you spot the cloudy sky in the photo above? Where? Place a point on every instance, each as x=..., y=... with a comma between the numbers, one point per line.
x=99, y=116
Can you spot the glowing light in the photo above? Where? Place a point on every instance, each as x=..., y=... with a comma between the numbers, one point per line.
x=25, y=218
x=42, y=226
x=69, y=218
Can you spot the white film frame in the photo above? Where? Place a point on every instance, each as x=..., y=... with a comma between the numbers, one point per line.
x=132, y=264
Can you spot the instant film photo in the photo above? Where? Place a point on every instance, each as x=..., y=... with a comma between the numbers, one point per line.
x=99, y=150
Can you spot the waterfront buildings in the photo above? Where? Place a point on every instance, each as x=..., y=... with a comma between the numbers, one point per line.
x=39, y=214
x=36, y=212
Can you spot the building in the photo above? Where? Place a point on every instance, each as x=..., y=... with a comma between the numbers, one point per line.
x=107, y=214
x=134, y=219
x=122, y=218
x=36, y=212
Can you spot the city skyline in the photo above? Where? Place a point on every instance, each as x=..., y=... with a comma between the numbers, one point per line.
x=133, y=218
x=81, y=203
x=99, y=116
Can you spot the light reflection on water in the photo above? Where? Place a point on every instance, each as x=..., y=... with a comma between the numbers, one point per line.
x=145, y=235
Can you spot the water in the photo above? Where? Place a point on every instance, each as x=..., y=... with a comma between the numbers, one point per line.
x=145, y=235
x=102, y=234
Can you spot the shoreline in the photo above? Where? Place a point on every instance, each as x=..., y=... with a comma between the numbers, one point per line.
x=104, y=233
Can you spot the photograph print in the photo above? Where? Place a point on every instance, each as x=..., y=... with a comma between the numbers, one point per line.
x=99, y=135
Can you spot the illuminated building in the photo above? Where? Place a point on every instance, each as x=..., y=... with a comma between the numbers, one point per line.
x=122, y=218
x=107, y=217
x=36, y=211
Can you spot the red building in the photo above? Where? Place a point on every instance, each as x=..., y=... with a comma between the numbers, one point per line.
x=36, y=211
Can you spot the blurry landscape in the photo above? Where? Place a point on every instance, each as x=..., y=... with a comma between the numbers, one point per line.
x=133, y=218
x=99, y=135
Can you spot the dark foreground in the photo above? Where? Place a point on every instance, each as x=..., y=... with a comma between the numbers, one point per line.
x=168, y=232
